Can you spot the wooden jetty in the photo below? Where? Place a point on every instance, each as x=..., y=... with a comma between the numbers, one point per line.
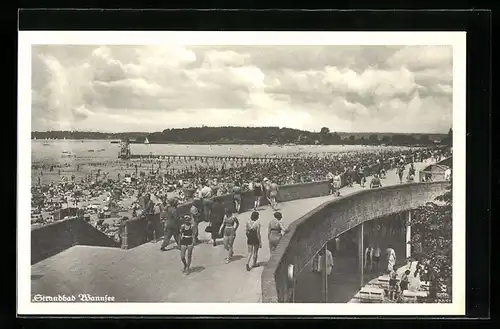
x=209, y=157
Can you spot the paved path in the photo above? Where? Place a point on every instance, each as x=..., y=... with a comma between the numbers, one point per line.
x=146, y=274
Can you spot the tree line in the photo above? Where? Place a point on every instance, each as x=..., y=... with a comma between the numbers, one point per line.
x=254, y=135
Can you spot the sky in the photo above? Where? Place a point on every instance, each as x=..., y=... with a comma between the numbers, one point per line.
x=403, y=89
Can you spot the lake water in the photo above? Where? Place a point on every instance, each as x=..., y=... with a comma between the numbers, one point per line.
x=103, y=150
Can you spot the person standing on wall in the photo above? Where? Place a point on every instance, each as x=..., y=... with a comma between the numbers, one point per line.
x=254, y=241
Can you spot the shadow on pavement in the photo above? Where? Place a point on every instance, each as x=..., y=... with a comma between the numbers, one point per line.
x=196, y=269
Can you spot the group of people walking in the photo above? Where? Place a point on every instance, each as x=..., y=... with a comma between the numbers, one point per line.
x=223, y=224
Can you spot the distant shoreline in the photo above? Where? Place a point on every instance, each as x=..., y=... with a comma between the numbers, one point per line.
x=251, y=136
x=224, y=143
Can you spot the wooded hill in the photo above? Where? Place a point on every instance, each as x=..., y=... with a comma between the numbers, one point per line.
x=255, y=135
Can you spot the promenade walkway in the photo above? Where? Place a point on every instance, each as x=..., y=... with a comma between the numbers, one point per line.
x=146, y=274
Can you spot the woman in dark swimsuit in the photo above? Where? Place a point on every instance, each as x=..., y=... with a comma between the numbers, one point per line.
x=186, y=232
x=257, y=192
x=276, y=231
x=229, y=226
x=254, y=240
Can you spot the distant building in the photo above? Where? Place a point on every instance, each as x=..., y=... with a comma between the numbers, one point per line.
x=436, y=172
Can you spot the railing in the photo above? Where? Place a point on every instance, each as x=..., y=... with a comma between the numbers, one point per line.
x=308, y=234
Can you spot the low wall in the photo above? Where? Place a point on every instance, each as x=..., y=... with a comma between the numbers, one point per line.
x=53, y=238
x=312, y=231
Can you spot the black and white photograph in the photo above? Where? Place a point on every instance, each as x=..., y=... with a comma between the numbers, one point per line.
x=256, y=172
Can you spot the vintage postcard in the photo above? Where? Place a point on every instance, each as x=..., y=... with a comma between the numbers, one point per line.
x=258, y=173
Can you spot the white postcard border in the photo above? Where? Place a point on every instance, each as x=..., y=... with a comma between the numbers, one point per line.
x=27, y=38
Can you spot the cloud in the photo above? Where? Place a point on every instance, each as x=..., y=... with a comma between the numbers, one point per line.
x=151, y=88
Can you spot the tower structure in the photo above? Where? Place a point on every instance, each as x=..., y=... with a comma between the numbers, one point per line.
x=124, y=149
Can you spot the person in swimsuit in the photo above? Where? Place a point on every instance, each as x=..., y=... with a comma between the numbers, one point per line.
x=273, y=195
x=229, y=226
x=257, y=192
x=237, y=192
x=186, y=234
x=276, y=231
x=254, y=240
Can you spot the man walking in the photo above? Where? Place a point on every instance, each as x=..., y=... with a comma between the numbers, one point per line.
x=148, y=213
x=169, y=217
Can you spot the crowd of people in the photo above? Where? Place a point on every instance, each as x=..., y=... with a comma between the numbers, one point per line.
x=99, y=196
x=222, y=219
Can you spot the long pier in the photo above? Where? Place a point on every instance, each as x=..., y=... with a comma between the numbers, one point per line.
x=210, y=157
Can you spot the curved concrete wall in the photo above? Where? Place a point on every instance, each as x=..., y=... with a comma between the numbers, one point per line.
x=310, y=233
